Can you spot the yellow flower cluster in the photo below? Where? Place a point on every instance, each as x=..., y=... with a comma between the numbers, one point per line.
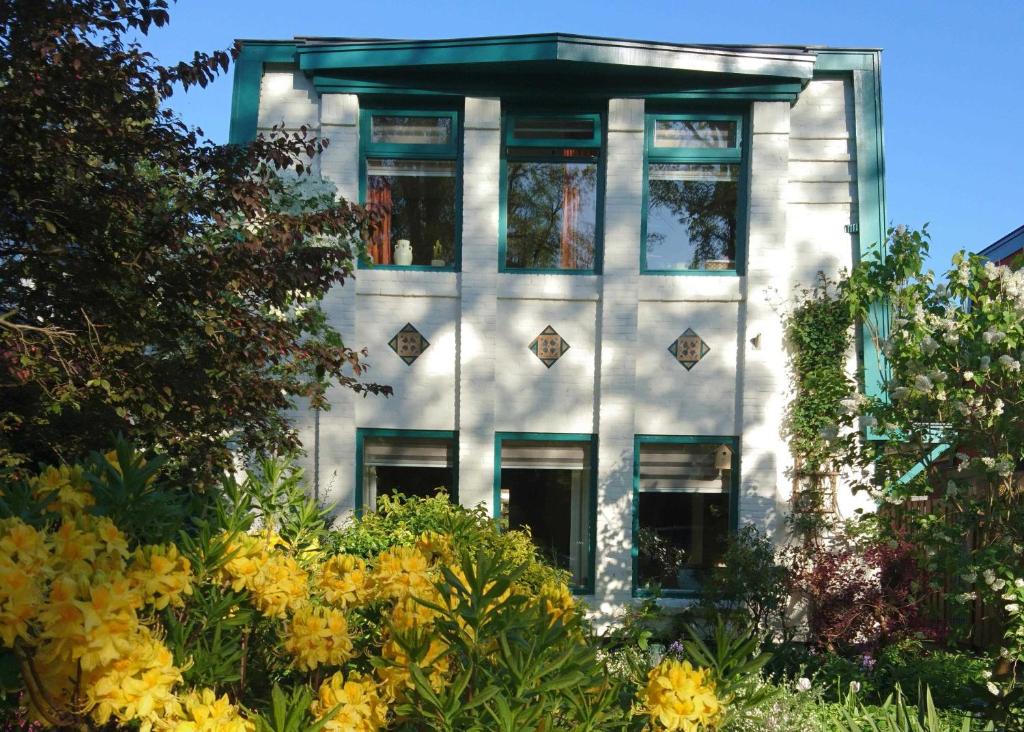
x=66, y=488
x=680, y=697
x=557, y=601
x=343, y=581
x=397, y=678
x=318, y=635
x=400, y=572
x=72, y=597
x=203, y=711
x=274, y=580
x=362, y=708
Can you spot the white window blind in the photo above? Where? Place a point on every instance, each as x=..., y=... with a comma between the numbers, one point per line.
x=408, y=452
x=550, y=455
x=684, y=468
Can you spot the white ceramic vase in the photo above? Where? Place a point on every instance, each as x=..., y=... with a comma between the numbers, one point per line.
x=403, y=252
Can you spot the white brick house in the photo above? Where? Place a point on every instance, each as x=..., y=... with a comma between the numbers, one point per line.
x=652, y=203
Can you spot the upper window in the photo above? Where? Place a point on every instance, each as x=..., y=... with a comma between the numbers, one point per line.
x=410, y=180
x=692, y=209
x=546, y=484
x=552, y=191
x=683, y=509
x=410, y=462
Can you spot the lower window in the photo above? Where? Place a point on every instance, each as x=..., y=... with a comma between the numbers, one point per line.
x=546, y=486
x=683, y=511
x=411, y=464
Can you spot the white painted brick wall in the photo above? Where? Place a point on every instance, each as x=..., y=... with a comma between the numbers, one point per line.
x=618, y=378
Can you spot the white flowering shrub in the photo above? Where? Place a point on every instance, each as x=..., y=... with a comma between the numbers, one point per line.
x=953, y=404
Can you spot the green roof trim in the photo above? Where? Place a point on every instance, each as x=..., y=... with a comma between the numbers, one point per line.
x=245, y=96
x=865, y=67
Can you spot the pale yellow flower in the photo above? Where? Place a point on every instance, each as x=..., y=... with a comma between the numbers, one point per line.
x=680, y=697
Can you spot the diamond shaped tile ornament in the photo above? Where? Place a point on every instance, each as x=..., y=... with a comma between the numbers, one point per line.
x=549, y=346
x=408, y=343
x=689, y=348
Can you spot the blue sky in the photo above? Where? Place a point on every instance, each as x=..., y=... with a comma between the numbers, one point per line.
x=952, y=75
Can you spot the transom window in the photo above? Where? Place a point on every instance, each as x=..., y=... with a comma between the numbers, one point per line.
x=546, y=483
x=692, y=212
x=410, y=462
x=410, y=182
x=683, y=509
x=551, y=193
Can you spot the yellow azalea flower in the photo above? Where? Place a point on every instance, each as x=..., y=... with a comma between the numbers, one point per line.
x=275, y=581
x=66, y=486
x=401, y=571
x=437, y=547
x=136, y=686
x=114, y=541
x=362, y=709
x=20, y=600
x=557, y=601
x=343, y=581
x=316, y=636
x=161, y=575
x=680, y=697
x=22, y=545
x=203, y=711
x=109, y=621
x=73, y=548
x=396, y=679
x=62, y=620
x=407, y=613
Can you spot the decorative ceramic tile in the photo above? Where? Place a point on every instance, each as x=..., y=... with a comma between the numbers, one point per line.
x=689, y=348
x=408, y=343
x=549, y=346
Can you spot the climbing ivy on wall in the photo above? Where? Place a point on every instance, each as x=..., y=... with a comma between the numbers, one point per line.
x=819, y=330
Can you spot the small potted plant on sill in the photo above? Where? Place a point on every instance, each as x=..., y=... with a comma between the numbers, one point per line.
x=438, y=260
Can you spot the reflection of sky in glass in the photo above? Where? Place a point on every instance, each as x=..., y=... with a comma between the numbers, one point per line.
x=691, y=214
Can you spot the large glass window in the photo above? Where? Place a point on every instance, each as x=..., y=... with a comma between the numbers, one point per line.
x=411, y=185
x=546, y=485
x=411, y=463
x=683, y=510
x=552, y=191
x=692, y=213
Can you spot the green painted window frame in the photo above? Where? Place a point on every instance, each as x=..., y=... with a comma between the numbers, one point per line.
x=363, y=432
x=738, y=155
x=734, y=494
x=508, y=140
x=591, y=439
x=451, y=151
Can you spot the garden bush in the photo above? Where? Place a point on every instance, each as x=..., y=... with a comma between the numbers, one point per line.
x=259, y=616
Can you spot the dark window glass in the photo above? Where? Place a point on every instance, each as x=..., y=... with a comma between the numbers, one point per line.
x=551, y=218
x=694, y=133
x=402, y=130
x=692, y=216
x=415, y=202
x=552, y=128
x=683, y=513
x=418, y=481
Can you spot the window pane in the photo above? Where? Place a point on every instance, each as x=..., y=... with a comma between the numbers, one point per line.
x=399, y=130
x=415, y=200
x=551, y=214
x=552, y=128
x=411, y=466
x=683, y=512
x=698, y=133
x=692, y=216
x=539, y=492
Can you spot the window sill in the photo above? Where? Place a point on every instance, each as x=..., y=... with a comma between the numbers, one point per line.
x=691, y=272
x=406, y=268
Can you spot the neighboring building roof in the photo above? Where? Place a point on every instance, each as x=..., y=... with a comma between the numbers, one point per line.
x=1002, y=250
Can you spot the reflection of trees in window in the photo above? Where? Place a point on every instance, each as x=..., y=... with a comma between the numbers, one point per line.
x=416, y=202
x=706, y=209
x=551, y=221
